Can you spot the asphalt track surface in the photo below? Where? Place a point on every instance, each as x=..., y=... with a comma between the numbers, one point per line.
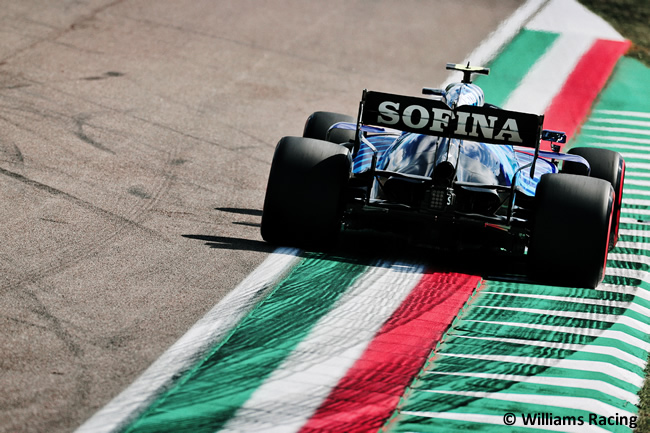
x=135, y=143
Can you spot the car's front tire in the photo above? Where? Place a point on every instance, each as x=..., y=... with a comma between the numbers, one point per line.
x=570, y=235
x=304, y=196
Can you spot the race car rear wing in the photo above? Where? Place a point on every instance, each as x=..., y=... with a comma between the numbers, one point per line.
x=434, y=117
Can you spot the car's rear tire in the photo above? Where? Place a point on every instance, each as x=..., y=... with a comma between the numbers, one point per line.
x=570, y=235
x=319, y=123
x=607, y=165
x=304, y=196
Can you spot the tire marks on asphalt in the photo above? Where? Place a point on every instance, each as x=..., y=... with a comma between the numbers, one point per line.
x=118, y=292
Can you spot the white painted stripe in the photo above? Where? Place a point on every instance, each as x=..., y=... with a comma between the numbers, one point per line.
x=631, y=232
x=586, y=404
x=546, y=78
x=585, y=348
x=507, y=30
x=318, y=363
x=639, y=292
x=586, y=301
x=634, y=155
x=642, y=167
x=641, y=114
x=635, y=173
x=626, y=290
x=636, y=182
x=636, y=202
x=498, y=420
x=632, y=131
x=605, y=368
x=637, y=191
x=628, y=273
x=642, y=123
x=209, y=330
x=567, y=382
x=629, y=211
x=631, y=273
x=590, y=332
x=629, y=258
x=618, y=138
x=634, y=245
x=628, y=220
x=616, y=146
x=570, y=17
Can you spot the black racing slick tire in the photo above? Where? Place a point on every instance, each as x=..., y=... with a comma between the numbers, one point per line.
x=570, y=235
x=319, y=123
x=304, y=195
x=607, y=165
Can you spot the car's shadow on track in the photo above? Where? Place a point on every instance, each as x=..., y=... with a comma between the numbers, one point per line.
x=231, y=243
x=370, y=246
x=482, y=262
x=234, y=243
x=241, y=211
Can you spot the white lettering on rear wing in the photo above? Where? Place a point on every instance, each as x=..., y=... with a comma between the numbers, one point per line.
x=432, y=117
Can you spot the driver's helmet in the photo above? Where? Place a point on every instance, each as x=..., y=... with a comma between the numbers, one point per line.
x=464, y=94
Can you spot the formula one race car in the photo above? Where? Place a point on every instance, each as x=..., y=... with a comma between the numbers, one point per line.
x=453, y=172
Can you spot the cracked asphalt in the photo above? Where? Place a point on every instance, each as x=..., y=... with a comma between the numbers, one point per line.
x=135, y=142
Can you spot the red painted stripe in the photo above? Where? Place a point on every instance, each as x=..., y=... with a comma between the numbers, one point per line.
x=572, y=104
x=370, y=391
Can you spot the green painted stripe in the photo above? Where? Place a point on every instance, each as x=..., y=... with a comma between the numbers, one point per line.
x=622, y=281
x=626, y=91
x=212, y=392
x=478, y=312
x=642, y=215
x=633, y=238
x=623, y=134
x=458, y=346
x=550, y=320
x=495, y=300
x=423, y=399
x=445, y=382
x=464, y=365
x=511, y=66
x=499, y=330
x=622, y=121
x=487, y=347
x=628, y=195
x=563, y=292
